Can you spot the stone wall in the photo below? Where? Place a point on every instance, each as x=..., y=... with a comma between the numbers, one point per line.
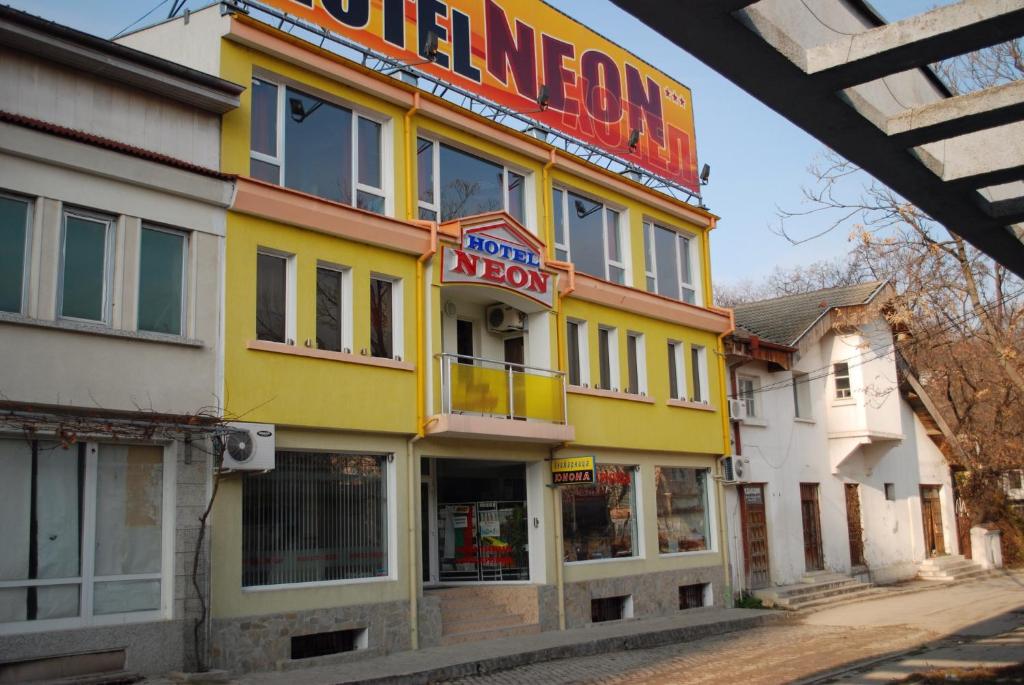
x=654, y=594
x=263, y=643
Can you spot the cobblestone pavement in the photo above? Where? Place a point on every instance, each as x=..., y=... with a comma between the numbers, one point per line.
x=777, y=654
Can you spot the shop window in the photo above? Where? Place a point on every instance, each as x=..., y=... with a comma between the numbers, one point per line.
x=636, y=364
x=676, y=378
x=86, y=270
x=801, y=395
x=683, y=521
x=589, y=234
x=670, y=263
x=385, y=317
x=59, y=507
x=455, y=184
x=841, y=374
x=890, y=492
x=15, y=217
x=611, y=608
x=698, y=374
x=273, y=292
x=693, y=596
x=316, y=517
x=599, y=521
x=163, y=265
x=312, y=145
x=749, y=387
x=576, y=350
x=332, y=325
x=608, y=358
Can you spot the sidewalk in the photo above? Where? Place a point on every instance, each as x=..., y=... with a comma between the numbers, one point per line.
x=446, y=663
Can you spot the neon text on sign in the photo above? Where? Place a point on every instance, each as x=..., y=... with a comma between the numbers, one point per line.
x=498, y=255
x=506, y=50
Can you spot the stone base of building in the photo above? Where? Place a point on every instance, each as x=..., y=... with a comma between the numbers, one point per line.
x=650, y=594
x=893, y=573
x=150, y=648
x=264, y=643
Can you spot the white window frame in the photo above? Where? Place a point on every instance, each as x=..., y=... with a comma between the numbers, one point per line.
x=397, y=311
x=87, y=578
x=614, y=379
x=108, y=263
x=386, y=149
x=26, y=258
x=710, y=495
x=624, y=244
x=641, y=360
x=702, y=373
x=186, y=237
x=529, y=203
x=346, y=318
x=582, y=351
x=290, y=324
x=651, y=274
x=835, y=385
x=751, y=402
x=680, y=380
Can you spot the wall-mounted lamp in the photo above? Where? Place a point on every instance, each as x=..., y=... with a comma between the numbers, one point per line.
x=705, y=174
x=429, y=50
x=634, y=139
x=542, y=99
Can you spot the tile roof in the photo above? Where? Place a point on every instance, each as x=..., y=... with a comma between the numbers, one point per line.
x=784, y=320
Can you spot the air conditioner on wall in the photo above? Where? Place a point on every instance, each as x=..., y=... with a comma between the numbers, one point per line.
x=735, y=469
x=737, y=410
x=248, y=447
x=504, y=319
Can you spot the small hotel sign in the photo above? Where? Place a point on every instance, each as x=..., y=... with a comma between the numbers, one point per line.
x=498, y=255
x=572, y=471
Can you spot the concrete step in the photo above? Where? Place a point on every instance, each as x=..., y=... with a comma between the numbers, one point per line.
x=815, y=577
x=952, y=578
x=838, y=599
x=953, y=571
x=482, y=623
x=806, y=588
x=493, y=634
x=943, y=561
x=468, y=613
x=800, y=600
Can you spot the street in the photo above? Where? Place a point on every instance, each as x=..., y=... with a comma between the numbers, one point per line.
x=816, y=647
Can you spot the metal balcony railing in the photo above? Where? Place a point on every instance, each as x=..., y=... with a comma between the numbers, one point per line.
x=485, y=387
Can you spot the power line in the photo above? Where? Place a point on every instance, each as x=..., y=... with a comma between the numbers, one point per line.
x=158, y=6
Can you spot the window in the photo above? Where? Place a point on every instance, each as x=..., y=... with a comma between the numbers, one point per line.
x=86, y=273
x=272, y=293
x=683, y=524
x=890, y=492
x=331, y=291
x=309, y=143
x=15, y=214
x=464, y=340
x=162, y=273
x=599, y=521
x=676, y=383
x=801, y=395
x=693, y=596
x=841, y=373
x=590, y=235
x=698, y=374
x=83, y=530
x=608, y=358
x=1016, y=479
x=385, y=339
x=670, y=263
x=454, y=184
x=748, y=388
x=573, y=338
x=316, y=517
x=636, y=364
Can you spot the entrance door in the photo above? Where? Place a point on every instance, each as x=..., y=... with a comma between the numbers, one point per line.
x=853, y=525
x=963, y=520
x=755, y=536
x=931, y=514
x=814, y=558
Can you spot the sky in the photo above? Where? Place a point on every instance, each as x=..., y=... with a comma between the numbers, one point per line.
x=759, y=161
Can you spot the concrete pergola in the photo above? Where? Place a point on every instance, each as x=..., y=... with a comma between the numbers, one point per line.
x=862, y=87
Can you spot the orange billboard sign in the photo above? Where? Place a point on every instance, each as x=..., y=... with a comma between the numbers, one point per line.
x=527, y=55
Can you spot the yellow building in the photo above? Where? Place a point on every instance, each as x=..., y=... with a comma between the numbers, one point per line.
x=428, y=307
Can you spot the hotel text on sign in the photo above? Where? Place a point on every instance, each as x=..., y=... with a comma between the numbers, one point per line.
x=499, y=255
x=506, y=50
x=572, y=471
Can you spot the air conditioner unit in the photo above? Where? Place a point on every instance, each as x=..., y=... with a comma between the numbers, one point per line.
x=504, y=319
x=737, y=410
x=248, y=447
x=735, y=469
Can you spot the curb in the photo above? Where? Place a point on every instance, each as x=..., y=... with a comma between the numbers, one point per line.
x=641, y=640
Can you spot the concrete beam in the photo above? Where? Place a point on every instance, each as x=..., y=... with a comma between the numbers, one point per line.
x=1009, y=211
x=992, y=177
x=915, y=42
x=958, y=115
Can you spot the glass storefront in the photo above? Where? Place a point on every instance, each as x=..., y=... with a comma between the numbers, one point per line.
x=599, y=521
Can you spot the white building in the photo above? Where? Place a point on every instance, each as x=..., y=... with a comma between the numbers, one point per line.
x=112, y=216
x=841, y=470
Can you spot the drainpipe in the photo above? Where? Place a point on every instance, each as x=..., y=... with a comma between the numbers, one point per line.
x=557, y=502
x=724, y=405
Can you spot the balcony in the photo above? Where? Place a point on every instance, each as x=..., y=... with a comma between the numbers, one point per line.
x=489, y=399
